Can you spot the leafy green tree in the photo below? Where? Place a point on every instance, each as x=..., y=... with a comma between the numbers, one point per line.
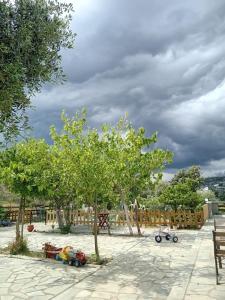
x=180, y=195
x=136, y=166
x=59, y=184
x=21, y=168
x=181, y=192
x=90, y=166
x=192, y=177
x=32, y=34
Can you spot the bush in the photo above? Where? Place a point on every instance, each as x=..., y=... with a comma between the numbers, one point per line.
x=18, y=247
x=2, y=213
x=65, y=229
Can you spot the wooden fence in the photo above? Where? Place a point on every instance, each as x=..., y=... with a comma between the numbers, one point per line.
x=30, y=215
x=146, y=218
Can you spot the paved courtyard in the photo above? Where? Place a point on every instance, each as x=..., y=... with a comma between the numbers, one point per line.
x=140, y=269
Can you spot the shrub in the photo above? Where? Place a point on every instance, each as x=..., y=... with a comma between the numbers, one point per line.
x=64, y=229
x=18, y=247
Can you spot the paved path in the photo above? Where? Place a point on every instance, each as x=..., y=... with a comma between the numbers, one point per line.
x=141, y=269
x=202, y=282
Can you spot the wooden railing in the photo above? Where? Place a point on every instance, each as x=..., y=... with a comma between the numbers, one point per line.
x=147, y=218
x=30, y=215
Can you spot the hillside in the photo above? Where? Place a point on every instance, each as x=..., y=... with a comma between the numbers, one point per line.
x=216, y=184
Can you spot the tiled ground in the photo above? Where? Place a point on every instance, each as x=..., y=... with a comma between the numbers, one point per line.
x=140, y=269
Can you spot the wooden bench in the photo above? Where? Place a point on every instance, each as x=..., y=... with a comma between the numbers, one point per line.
x=219, y=254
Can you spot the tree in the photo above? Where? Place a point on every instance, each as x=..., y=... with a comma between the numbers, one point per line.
x=32, y=34
x=58, y=183
x=90, y=166
x=21, y=168
x=182, y=190
x=192, y=177
x=180, y=195
x=136, y=167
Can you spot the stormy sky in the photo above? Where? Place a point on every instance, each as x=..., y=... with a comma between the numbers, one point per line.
x=161, y=61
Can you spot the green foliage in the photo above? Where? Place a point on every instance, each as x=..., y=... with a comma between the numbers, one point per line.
x=180, y=195
x=152, y=203
x=84, y=154
x=191, y=177
x=3, y=213
x=21, y=168
x=32, y=34
x=6, y=197
x=19, y=247
x=136, y=167
x=22, y=165
x=84, y=166
x=181, y=192
x=65, y=229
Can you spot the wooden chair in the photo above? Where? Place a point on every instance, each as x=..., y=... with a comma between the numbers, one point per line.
x=218, y=225
x=219, y=254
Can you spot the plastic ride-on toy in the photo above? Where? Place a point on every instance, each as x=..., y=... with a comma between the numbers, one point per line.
x=72, y=257
x=165, y=233
x=50, y=250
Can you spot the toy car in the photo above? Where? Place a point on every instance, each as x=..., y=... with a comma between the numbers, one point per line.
x=78, y=260
x=167, y=234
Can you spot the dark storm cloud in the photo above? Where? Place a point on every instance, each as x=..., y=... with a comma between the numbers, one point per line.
x=160, y=61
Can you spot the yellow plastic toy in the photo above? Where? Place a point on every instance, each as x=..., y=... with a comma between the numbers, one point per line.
x=64, y=254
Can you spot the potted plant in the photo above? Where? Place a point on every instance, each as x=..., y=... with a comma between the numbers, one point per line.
x=30, y=227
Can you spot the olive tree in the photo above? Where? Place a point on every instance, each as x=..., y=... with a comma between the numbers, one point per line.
x=31, y=36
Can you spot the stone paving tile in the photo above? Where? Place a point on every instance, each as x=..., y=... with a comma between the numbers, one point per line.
x=202, y=283
x=140, y=269
x=39, y=284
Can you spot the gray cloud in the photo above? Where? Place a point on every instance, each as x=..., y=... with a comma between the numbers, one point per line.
x=162, y=62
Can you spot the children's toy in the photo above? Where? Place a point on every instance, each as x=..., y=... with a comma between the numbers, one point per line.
x=72, y=257
x=51, y=251
x=167, y=233
x=68, y=255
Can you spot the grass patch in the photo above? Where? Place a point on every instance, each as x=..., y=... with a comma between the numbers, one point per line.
x=20, y=247
x=103, y=261
x=34, y=254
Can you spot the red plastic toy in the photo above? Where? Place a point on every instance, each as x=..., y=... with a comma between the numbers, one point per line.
x=51, y=251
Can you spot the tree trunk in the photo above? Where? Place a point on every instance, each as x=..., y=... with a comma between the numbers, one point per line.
x=22, y=218
x=59, y=217
x=67, y=215
x=127, y=218
x=136, y=208
x=19, y=219
x=96, y=232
